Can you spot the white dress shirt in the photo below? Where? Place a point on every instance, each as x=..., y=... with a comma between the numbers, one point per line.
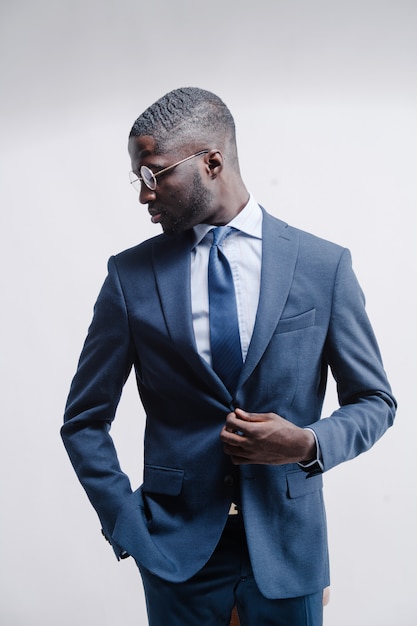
x=243, y=249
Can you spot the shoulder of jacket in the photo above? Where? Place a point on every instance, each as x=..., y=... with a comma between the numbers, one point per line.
x=308, y=243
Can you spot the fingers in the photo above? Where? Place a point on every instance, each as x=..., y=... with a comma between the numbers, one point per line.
x=240, y=460
x=235, y=442
x=243, y=424
x=245, y=436
x=256, y=417
x=250, y=417
x=232, y=433
x=233, y=424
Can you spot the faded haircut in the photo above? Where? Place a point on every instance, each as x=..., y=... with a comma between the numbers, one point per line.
x=188, y=114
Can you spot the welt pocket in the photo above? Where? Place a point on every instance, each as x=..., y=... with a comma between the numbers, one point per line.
x=162, y=480
x=304, y=320
x=300, y=484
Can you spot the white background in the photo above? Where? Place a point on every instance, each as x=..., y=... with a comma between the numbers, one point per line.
x=324, y=95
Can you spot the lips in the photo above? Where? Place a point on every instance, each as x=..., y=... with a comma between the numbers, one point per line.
x=156, y=215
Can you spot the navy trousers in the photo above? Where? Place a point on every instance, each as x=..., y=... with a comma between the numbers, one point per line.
x=226, y=580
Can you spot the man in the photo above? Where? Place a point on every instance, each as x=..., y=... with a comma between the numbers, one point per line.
x=231, y=508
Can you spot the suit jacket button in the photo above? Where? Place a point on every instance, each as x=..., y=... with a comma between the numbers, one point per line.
x=229, y=480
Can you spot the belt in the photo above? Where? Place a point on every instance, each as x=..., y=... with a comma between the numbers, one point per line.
x=234, y=509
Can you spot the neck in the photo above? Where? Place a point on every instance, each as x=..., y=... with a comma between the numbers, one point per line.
x=233, y=198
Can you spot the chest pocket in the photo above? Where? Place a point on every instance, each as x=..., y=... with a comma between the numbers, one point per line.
x=298, y=322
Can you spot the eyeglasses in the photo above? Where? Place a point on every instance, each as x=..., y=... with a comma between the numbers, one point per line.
x=149, y=178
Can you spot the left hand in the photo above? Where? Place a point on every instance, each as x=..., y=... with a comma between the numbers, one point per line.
x=266, y=438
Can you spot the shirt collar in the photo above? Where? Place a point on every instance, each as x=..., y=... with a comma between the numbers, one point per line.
x=248, y=221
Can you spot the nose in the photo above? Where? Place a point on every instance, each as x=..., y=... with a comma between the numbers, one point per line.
x=146, y=195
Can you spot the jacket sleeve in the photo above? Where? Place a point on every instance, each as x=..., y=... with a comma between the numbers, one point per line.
x=367, y=406
x=103, y=368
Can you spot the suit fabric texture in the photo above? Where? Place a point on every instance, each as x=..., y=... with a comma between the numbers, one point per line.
x=311, y=319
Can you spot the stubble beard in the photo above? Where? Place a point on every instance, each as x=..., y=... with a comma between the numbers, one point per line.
x=195, y=211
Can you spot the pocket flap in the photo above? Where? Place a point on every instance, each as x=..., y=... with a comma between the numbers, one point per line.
x=300, y=484
x=163, y=480
x=289, y=324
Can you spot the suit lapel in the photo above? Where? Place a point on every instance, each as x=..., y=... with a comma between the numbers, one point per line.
x=279, y=255
x=171, y=261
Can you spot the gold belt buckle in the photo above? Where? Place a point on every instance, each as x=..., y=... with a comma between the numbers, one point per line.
x=233, y=509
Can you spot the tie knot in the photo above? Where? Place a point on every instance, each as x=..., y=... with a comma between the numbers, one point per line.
x=220, y=233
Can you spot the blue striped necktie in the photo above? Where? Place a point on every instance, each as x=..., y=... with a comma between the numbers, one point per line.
x=225, y=345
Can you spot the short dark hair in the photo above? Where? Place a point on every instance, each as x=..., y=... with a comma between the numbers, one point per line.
x=187, y=114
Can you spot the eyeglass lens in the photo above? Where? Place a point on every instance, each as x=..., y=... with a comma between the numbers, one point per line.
x=148, y=177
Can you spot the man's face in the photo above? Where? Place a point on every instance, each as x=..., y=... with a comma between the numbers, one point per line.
x=180, y=200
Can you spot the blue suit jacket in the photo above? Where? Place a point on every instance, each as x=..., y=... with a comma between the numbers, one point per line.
x=310, y=317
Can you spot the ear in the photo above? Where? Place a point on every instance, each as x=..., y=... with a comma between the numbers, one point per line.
x=215, y=162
